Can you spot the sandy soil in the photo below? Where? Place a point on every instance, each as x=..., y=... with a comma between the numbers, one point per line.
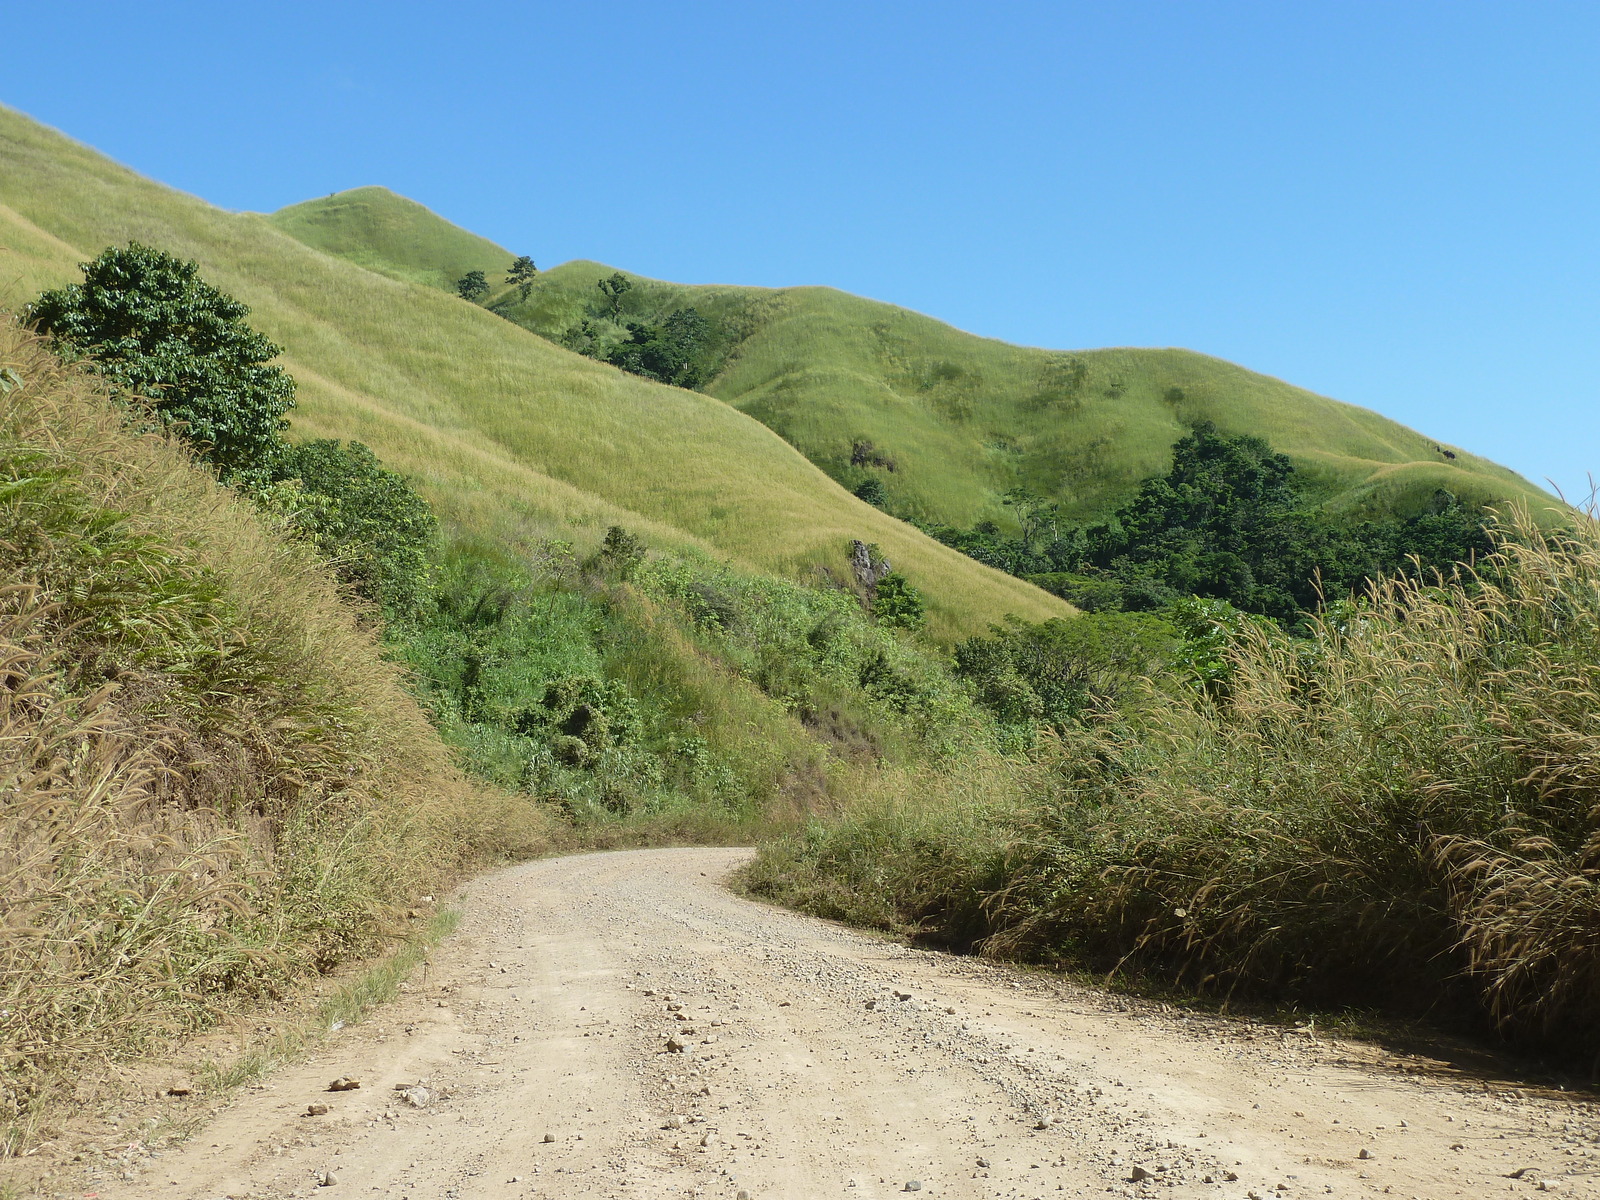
x=620, y=1025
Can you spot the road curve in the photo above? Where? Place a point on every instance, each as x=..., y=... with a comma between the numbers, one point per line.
x=621, y=1025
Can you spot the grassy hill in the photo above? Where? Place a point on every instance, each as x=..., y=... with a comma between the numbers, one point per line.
x=210, y=772
x=510, y=436
x=374, y=228
x=963, y=419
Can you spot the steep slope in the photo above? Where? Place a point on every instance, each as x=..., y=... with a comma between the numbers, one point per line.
x=374, y=228
x=963, y=419
x=213, y=781
x=511, y=437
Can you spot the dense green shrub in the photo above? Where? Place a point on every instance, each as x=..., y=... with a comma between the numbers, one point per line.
x=365, y=519
x=898, y=604
x=1060, y=671
x=872, y=491
x=160, y=334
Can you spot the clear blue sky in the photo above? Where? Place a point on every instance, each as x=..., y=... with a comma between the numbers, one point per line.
x=1393, y=203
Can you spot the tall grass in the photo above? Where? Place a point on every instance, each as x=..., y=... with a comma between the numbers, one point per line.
x=374, y=228
x=1401, y=810
x=510, y=437
x=210, y=782
x=965, y=419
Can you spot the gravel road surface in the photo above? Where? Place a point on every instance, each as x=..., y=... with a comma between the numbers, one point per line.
x=621, y=1025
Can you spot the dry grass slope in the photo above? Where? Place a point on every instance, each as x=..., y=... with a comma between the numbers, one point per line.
x=212, y=782
x=512, y=438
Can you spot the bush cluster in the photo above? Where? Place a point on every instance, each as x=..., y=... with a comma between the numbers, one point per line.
x=1229, y=521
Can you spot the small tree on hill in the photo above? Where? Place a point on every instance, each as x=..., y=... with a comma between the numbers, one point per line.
x=472, y=286
x=160, y=334
x=898, y=604
x=522, y=274
x=872, y=491
x=614, y=288
x=619, y=555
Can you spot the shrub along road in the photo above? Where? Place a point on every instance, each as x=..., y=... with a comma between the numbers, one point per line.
x=622, y=1025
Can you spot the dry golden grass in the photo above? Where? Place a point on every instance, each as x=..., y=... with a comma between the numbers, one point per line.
x=211, y=780
x=1400, y=811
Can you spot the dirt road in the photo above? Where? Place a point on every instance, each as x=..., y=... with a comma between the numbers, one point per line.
x=620, y=1025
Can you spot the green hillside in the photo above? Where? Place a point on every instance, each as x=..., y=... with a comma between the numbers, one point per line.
x=374, y=228
x=511, y=437
x=964, y=419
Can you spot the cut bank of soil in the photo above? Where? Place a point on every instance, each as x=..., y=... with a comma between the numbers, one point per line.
x=621, y=1025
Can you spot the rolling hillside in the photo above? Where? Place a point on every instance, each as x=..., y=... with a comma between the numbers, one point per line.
x=511, y=437
x=374, y=228
x=964, y=419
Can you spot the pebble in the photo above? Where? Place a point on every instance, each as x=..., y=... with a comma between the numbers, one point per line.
x=913, y=1185
x=326, y=1179
x=316, y=1110
x=342, y=1084
x=549, y=1137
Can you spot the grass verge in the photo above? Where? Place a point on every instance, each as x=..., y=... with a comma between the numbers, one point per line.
x=213, y=783
x=1397, y=812
x=374, y=984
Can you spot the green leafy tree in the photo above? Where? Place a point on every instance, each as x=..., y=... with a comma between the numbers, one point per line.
x=1035, y=515
x=619, y=555
x=161, y=335
x=898, y=604
x=871, y=490
x=365, y=518
x=522, y=273
x=614, y=288
x=666, y=352
x=472, y=286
